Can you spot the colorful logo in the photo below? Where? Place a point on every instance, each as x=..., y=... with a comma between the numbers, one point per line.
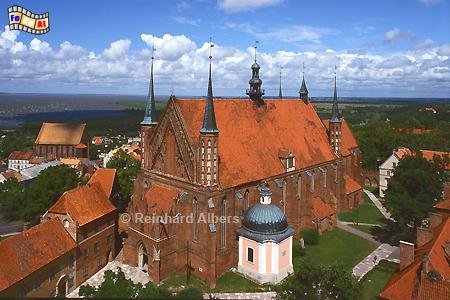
x=22, y=19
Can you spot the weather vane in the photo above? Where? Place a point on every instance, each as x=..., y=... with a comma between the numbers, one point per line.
x=256, y=46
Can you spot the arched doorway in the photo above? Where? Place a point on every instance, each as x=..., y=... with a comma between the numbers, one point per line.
x=142, y=258
x=61, y=286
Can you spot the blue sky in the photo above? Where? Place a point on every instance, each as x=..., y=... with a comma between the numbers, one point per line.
x=382, y=48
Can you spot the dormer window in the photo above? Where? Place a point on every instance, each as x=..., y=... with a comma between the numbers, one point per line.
x=290, y=163
x=287, y=158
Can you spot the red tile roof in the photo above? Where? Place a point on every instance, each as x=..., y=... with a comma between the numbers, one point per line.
x=30, y=250
x=402, y=284
x=60, y=134
x=320, y=209
x=351, y=185
x=348, y=139
x=250, y=137
x=84, y=204
x=12, y=174
x=106, y=179
x=444, y=205
x=427, y=154
x=160, y=198
x=20, y=155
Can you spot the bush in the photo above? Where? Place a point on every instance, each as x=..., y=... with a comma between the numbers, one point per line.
x=310, y=236
x=302, y=251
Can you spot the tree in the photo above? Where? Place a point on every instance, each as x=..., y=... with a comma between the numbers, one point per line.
x=115, y=285
x=126, y=172
x=413, y=191
x=45, y=190
x=11, y=199
x=320, y=282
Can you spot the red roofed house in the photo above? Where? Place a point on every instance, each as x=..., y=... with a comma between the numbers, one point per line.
x=91, y=219
x=387, y=168
x=61, y=140
x=38, y=262
x=19, y=160
x=208, y=156
x=424, y=267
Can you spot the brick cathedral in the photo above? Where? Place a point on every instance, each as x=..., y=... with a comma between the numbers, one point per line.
x=208, y=156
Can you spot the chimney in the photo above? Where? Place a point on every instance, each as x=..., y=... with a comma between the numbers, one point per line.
x=435, y=220
x=406, y=254
x=447, y=247
x=424, y=235
x=425, y=264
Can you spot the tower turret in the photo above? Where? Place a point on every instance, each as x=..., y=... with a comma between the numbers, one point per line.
x=209, y=140
x=149, y=123
x=303, y=89
x=335, y=128
x=255, y=92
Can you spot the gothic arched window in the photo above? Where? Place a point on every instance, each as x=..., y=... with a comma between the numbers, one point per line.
x=196, y=216
x=223, y=216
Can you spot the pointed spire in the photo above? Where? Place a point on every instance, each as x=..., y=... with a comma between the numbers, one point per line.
x=150, y=110
x=335, y=109
x=303, y=89
x=209, y=118
x=280, y=93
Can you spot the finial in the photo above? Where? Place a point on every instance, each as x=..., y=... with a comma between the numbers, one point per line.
x=171, y=91
x=211, y=45
x=256, y=46
x=303, y=69
x=153, y=52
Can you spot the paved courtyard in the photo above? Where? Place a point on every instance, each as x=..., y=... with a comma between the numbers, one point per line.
x=133, y=273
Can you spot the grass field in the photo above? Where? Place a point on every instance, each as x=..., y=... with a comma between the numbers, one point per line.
x=375, y=280
x=366, y=212
x=336, y=246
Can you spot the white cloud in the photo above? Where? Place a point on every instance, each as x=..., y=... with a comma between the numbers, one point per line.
x=243, y=5
x=287, y=34
x=183, y=20
x=183, y=5
x=395, y=35
x=169, y=47
x=40, y=46
x=428, y=43
x=118, y=69
x=117, y=49
x=431, y=2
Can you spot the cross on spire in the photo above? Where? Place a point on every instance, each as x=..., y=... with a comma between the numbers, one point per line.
x=280, y=93
x=335, y=109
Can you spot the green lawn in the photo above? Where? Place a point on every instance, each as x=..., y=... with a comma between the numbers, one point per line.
x=232, y=282
x=375, y=280
x=366, y=212
x=336, y=246
x=176, y=280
